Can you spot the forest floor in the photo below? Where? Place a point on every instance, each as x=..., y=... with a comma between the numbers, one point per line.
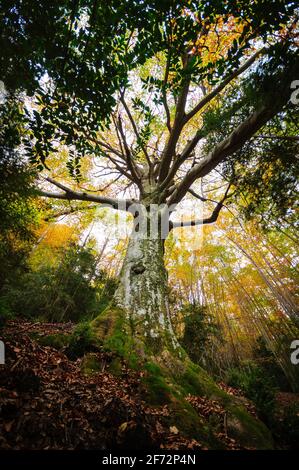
x=48, y=402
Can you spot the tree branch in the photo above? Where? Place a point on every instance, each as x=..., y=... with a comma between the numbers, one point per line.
x=208, y=220
x=194, y=222
x=131, y=167
x=178, y=124
x=279, y=137
x=235, y=140
x=69, y=211
x=69, y=194
x=185, y=118
x=99, y=142
x=129, y=114
x=190, y=146
x=221, y=86
x=164, y=94
x=181, y=119
x=201, y=198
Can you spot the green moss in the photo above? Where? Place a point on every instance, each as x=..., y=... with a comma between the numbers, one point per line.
x=113, y=332
x=191, y=383
x=247, y=430
x=185, y=418
x=170, y=389
x=90, y=364
x=153, y=368
x=115, y=366
x=190, y=424
x=82, y=340
x=158, y=391
x=57, y=341
x=194, y=380
x=161, y=390
x=169, y=378
x=103, y=325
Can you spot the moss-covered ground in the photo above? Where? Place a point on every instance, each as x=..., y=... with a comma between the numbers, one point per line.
x=168, y=378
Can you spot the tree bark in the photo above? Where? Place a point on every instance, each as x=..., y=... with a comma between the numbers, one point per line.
x=143, y=292
x=141, y=298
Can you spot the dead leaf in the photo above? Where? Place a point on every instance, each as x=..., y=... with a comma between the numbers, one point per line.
x=8, y=426
x=174, y=429
x=123, y=427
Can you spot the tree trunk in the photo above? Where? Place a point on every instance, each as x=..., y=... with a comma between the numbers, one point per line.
x=143, y=292
x=141, y=299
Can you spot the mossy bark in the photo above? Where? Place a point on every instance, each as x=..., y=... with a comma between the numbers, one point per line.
x=140, y=308
x=143, y=293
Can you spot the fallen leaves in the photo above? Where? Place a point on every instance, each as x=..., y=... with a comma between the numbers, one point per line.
x=46, y=402
x=213, y=412
x=238, y=394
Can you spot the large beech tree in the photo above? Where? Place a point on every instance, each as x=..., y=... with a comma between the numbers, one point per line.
x=130, y=86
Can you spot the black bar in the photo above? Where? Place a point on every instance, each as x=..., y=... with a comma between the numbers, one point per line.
x=136, y=459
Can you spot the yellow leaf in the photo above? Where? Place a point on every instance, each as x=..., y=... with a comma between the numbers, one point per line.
x=123, y=427
x=174, y=429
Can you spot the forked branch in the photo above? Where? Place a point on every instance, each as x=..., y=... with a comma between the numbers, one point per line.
x=207, y=220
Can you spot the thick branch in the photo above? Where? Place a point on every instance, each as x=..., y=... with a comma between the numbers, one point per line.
x=233, y=142
x=69, y=194
x=190, y=146
x=131, y=167
x=221, y=86
x=178, y=124
x=182, y=118
x=194, y=222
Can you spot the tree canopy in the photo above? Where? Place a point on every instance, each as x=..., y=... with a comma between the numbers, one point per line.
x=91, y=78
